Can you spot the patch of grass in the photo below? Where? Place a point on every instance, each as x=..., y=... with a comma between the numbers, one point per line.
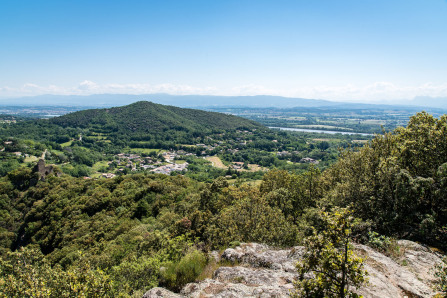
x=209, y=270
x=95, y=175
x=142, y=150
x=373, y=122
x=67, y=144
x=238, y=279
x=31, y=158
x=394, y=251
x=254, y=182
x=97, y=137
x=217, y=162
x=388, y=246
x=98, y=165
x=234, y=244
x=246, y=182
x=68, y=166
x=360, y=141
x=255, y=168
x=212, y=266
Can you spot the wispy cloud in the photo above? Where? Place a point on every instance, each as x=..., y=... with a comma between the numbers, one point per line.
x=88, y=87
x=378, y=91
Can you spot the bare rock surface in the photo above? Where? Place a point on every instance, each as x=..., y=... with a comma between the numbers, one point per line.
x=159, y=293
x=419, y=259
x=261, y=255
x=388, y=278
x=257, y=270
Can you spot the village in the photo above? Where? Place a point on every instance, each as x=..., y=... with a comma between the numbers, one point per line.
x=135, y=162
x=223, y=155
x=168, y=162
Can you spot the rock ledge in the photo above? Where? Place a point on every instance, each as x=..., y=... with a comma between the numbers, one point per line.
x=261, y=271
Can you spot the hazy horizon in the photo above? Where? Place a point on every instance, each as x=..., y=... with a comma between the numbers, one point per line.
x=197, y=101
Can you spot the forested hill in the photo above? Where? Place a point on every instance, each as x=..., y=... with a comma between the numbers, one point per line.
x=145, y=116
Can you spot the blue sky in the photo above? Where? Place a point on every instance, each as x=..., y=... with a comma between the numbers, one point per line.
x=356, y=50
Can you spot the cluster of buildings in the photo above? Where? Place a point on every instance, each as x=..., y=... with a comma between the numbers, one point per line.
x=237, y=165
x=174, y=167
x=8, y=121
x=136, y=162
x=169, y=156
x=133, y=161
x=284, y=154
x=309, y=160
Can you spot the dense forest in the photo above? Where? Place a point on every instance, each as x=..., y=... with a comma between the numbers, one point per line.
x=61, y=234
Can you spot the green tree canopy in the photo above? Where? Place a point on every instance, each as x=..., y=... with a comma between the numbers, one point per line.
x=329, y=267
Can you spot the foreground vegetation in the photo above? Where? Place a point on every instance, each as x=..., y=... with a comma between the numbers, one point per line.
x=133, y=232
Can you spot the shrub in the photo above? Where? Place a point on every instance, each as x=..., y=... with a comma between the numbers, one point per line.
x=137, y=274
x=26, y=273
x=330, y=260
x=176, y=275
x=378, y=241
x=441, y=277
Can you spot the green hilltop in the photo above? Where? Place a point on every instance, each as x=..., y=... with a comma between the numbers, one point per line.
x=139, y=125
x=150, y=117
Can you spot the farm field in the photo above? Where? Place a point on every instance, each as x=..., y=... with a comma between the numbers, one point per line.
x=216, y=162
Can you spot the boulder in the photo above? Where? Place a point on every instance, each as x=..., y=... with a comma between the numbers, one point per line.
x=261, y=255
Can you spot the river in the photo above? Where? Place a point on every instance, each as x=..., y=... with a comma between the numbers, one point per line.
x=331, y=132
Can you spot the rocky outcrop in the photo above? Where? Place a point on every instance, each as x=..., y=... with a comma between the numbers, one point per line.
x=257, y=270
x=410, y=276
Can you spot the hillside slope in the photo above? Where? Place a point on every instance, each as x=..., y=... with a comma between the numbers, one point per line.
x=147, y=116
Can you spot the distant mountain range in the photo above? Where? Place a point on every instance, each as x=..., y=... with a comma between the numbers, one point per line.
x=110, y=100
x=201, y=101
x=427, y=101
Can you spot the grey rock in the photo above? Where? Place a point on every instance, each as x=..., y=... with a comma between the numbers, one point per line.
x=238, y=283
x=387, y=278
x=262, y=271
x=214, y=255
x=419, y=259
x=160, y=293
x=261, y=255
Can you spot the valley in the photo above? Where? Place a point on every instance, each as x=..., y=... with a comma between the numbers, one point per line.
x=228, y=149
x=128, y=199
x=93, y=143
